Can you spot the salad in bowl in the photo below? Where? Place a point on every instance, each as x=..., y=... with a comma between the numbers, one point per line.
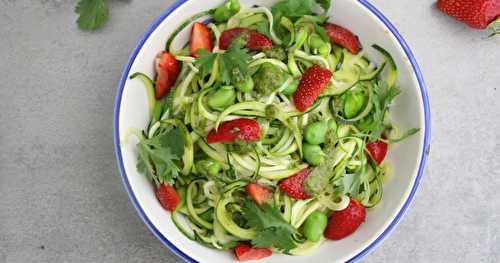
x=268, y=129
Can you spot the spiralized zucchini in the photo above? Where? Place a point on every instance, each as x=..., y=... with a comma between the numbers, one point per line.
x=213, y=176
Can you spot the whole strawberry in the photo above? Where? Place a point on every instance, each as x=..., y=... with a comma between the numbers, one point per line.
x=479, y=14
x=343, y=223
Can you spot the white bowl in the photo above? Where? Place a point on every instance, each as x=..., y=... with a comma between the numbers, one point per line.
x=411, y=109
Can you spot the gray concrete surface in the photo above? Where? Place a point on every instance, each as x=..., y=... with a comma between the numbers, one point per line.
x=61, y=198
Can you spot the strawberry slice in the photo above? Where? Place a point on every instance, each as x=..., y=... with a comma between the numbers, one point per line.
x=477, y=14
x=258, y=192
x=256, y=41
x=245, y=252
x=343, y=37
x=294, y=185
x=343, y=223
x=312, y=83
x=377, y=150
x=167, y=71
x=200, y=39
x=235, y=130
x=168, y=197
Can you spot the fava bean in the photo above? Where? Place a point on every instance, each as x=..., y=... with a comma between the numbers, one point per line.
x=208, y=168
x=313, y=154
x=315, y=132
x=224, y=97
x=315, y=42
x=353, y=103
x=315, y=225
x=245, y=85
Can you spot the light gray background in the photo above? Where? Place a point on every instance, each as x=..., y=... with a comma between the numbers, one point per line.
x=62, y=200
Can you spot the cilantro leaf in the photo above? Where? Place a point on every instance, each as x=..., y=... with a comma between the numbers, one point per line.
x=158, y=156
x=205, y=61
x=93, y=13
x=272, y=229
x=382, y=98
x=295, y=9
x=233, y=64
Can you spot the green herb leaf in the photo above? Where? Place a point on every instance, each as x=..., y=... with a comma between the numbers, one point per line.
x=205, y=62
x=233, y=64
x=295, y=9
x=158, y=156
x=93, y=14
x=273, y=230
x=382, y=98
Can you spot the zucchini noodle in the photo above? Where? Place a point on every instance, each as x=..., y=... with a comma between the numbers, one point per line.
x=194, y=143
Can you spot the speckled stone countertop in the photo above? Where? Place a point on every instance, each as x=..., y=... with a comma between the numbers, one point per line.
x=62, y=200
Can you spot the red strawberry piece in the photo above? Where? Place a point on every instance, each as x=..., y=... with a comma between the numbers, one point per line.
x=377, y=150
x=312, y=83
x=258, y=192
x=235, y=130
x=343, y=37
x=256, y=41
x=475, y=13
x=200, y=39
x=245, y=252
x=168, y=197
x=294, y=185
x=167, y=71
x=343, y=223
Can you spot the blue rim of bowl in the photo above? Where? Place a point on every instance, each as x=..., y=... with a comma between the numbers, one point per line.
x=380, y=238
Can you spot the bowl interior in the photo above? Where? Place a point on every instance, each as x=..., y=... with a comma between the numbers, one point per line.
x=406, y=157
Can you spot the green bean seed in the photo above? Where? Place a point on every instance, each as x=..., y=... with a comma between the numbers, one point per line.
x=222, y=14
x=315, y=132
x=353, y=103
x=315, y=42
x=208, y=168
x=291, y=88
x=315, y=225
x=313, y=154
x=222, y=98
x=234, y=6
x=245, y=85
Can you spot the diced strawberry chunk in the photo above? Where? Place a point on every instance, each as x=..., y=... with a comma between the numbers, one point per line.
x=244, y=252
x=167, y=71
x=168, y=197
x=200, y=39
x=231, y=131
x=343, y=37
x=258, y=192
x=377, y=150
x=294, y=185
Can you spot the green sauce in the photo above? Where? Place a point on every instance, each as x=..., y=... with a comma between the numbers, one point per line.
x=268, y=78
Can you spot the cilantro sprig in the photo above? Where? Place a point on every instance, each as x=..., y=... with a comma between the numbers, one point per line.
x=93, y=14
x=272, y=229
x=233, y=63
x=158, y=156
x=382, y=98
